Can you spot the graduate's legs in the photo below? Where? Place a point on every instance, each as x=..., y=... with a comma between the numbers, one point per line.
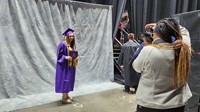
x=64, y=96
x=66, y=99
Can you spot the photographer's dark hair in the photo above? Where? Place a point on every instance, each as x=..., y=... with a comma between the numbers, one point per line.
x=165, y=29
x=148, y=37
x=139, y=37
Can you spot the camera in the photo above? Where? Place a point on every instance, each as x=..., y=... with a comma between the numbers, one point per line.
x=146, y=35
x=150, y=29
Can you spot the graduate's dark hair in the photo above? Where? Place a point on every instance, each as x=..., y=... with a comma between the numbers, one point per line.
x=165, y=29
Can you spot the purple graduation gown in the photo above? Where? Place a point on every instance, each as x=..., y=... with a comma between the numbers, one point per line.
x=65, y=74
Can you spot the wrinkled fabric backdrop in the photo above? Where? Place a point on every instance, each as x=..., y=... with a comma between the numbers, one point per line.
x=30, y=31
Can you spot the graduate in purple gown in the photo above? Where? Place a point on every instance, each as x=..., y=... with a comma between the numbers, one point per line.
x=66, y=66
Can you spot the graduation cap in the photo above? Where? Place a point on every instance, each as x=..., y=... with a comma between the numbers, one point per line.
x=68, y=31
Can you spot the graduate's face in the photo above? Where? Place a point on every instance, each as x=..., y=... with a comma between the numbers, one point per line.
x=71, y=37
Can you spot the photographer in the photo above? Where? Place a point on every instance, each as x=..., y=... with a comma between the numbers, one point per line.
x=164, y=68
x=147, y=40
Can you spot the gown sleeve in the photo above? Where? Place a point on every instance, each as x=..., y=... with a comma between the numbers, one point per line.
x=121, y=56
x=60, y=53
x=185, y=35
x=136, y=53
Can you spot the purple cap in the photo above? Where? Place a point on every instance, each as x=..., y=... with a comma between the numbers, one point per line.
x=68, y=31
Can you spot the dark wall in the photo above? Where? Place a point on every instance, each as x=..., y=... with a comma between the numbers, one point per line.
x=191, y=20
x=148, y=11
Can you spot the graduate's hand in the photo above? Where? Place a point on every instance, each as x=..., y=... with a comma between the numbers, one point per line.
x=69, y=58
x=77, y=58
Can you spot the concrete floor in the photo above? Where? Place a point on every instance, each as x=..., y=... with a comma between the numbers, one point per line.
x=114, y=100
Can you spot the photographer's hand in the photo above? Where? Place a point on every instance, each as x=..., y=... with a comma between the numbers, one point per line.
x=177, y=44
x=150, y=25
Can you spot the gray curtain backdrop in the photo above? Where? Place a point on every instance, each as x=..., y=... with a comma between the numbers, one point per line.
x=30, y=31
x=117, y=10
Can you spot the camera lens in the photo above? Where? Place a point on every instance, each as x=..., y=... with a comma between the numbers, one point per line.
x=150, y=29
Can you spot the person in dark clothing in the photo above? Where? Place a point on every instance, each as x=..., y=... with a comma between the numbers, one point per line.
x=147, y=39
x=125, y=57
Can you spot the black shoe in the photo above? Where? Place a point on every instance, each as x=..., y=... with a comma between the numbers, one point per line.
x=135, y=87
x=128, y=91
x=131, y=92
